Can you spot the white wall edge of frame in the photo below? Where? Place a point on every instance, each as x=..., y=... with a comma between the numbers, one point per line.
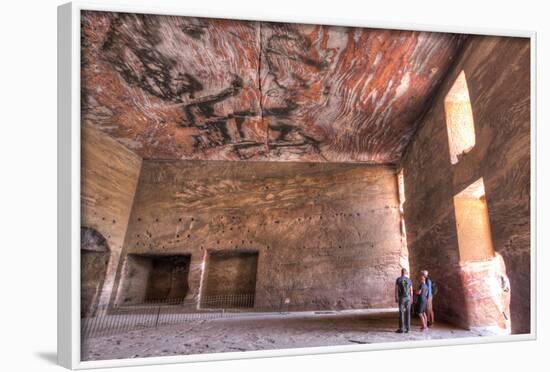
x=159, y=9
x=64, y=182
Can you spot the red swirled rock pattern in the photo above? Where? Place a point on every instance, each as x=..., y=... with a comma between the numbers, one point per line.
x=197, y=88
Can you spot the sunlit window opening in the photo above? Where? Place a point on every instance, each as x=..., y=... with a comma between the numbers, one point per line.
x=404, y=257
x=472, y=224
x=460, y=119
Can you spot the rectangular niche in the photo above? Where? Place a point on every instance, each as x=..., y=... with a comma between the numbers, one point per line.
x=472, y=223
x=152, y=278
x=230, y=280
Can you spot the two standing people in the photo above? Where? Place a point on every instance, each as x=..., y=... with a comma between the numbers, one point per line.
x=404, y=295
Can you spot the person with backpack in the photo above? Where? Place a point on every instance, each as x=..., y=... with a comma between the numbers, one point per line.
x=432, y=290
x=403, y=297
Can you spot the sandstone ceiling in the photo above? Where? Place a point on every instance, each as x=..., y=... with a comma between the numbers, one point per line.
x=196, y=88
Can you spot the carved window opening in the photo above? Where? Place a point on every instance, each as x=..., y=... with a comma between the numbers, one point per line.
x=459, y=119
x=472, y=223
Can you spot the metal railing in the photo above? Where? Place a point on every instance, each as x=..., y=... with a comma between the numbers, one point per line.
x=239, y=301
x=153, y=314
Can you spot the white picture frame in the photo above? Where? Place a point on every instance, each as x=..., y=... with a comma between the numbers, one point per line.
x=69, y=186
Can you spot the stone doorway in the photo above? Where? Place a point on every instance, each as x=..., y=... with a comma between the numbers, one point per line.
x=94, y=258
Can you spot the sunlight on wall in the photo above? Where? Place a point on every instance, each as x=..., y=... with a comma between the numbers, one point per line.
x=459, y=119
x=472, y=223
x=404, y=257
x=483, y=271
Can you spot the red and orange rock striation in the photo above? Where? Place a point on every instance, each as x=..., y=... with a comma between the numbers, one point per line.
x=196, y=88
x=351, y=94
x=173, y=87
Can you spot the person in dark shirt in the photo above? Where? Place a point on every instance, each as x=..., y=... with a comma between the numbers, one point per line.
x=403, y=297
x=422, y=302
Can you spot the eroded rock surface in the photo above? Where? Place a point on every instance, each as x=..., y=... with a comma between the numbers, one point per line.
x=475, y=294
x=327, y=236
x=198, y=88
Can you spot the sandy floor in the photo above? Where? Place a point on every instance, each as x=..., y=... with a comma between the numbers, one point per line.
x=260, y=332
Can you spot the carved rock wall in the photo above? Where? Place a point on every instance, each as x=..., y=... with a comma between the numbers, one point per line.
x=476, y=294
x=109, y=178
x=327, y=235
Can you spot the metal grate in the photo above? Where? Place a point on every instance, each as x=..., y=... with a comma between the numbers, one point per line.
x=118, y=319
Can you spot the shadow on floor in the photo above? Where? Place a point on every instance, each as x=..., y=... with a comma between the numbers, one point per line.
x=48, y=356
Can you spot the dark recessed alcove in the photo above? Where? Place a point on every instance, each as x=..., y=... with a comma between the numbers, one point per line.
x=230, y=279
x=168, y=279
x=155, y=278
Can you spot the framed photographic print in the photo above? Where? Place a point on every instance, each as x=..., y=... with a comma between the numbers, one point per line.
x=236, y=188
